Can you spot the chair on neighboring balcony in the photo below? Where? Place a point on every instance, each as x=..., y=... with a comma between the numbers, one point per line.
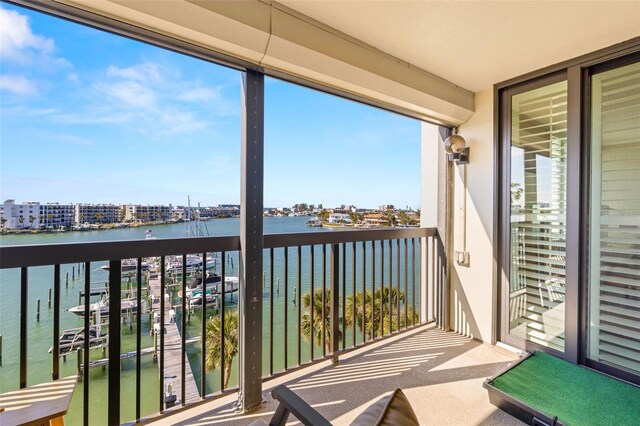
x=393, y=409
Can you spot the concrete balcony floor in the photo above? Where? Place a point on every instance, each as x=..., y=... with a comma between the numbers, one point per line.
x=440, y=372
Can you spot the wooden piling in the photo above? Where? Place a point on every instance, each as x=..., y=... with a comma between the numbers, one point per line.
x=49, y=298
x=38, y=311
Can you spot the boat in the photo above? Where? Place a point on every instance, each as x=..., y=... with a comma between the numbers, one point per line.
x=314, y=222
x=102, y=306
x=73, y=339
x=212, y=299
x=148, y=235
x=173, y=264
x=128, y=265
x=213, y=284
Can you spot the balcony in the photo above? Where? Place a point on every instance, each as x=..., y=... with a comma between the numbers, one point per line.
x=440, y=372
x=399, y=272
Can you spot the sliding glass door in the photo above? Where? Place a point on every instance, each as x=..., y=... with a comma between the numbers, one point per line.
x=614, y=264
x=538, y=166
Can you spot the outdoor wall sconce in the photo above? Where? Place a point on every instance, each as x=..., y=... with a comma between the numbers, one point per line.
x=456, y=148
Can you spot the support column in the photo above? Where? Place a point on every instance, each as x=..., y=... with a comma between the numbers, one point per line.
x=445, y=229
x=251, y=241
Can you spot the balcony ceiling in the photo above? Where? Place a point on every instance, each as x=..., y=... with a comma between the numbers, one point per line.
x=475, y=44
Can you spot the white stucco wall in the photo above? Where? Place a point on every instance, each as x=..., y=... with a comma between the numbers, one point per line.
x=472, y=293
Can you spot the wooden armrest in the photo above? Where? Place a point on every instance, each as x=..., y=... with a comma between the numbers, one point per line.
x=289, y=402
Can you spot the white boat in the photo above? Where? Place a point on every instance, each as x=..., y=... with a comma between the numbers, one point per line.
x=128, y=265
x=196, y=301
x=126, y=305
x=213, y=285
x=73, y=339
x=173, y=264
x=314, y=222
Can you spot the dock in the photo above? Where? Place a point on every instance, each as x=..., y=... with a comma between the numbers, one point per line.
x=172, y=352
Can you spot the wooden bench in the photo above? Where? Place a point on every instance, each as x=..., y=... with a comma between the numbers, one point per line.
x=38, y=405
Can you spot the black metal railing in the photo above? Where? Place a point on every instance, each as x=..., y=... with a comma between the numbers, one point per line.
x=340, y=290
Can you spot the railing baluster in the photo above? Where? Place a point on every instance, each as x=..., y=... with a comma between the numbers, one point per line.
x=298, y=295
x=390, y=287
x=344, y=295
x=203, y=337
x=312, y=301
x=373, y=290
x=115, y=313
x=382, y=292
x=333, y=291
x=413, y=279
x=23, y=326
x=364, y=290
x=406, y=284
x=56, y=322
x=271, y=311
x=138, y=334
x=183, y=335
x=87, y=336
x=323, y=325
x=161, y=331
x=398, y=283
x=286, y=305
x=222, y=310
x=353, y=290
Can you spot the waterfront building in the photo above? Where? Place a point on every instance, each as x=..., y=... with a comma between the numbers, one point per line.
x=16, y=216
x=56, y=215
x=339, y=218
x=146, y=213
x=375, y=219
x=97, y=213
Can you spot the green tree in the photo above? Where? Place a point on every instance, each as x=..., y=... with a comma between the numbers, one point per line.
x=3, y=221
x=318, y=328
x=324, y=215
x=32, y=219
x=372, y=325
x=214, y=355
x=21, y=220
x=40, y=218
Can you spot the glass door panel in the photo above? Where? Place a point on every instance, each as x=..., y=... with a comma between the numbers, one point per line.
x=538, y=215
x=614, y=276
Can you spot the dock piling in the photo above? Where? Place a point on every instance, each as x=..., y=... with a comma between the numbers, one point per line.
x=67, y=281
x=79, y=363
x=73, y=273
x=49, y=298
x=0, y=350
x=38, y=311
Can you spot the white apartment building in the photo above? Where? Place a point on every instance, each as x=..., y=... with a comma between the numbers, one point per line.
x=145, y=213
x=56, y=215
x=35, y=215
x=98, y=213
x=19, y=215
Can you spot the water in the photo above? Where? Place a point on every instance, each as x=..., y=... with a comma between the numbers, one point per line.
x=40, y=333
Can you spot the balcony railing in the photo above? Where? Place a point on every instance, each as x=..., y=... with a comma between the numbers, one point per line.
x=323, y=294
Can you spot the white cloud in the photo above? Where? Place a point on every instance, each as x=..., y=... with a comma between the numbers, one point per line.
x=17, y=41
x=129, y=93
x=18, y=84
x=143, y=73
x=75, y=140
x=73, y=77
x=202, y=94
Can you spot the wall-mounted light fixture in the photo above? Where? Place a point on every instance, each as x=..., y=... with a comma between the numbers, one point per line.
x=456, y=148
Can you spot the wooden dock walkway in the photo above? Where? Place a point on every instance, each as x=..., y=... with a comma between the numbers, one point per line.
x=172, y=349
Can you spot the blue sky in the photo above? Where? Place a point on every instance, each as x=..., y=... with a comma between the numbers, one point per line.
x=91, y=117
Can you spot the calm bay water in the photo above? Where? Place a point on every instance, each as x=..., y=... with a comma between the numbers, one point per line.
x=40, y=333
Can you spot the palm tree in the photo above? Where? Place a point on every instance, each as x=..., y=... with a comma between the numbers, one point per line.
x=32, y=218
x=3, y=221
x=213, y=357
x=318, y=327
x=40, y=218
x=21, y=220
x=390, y=321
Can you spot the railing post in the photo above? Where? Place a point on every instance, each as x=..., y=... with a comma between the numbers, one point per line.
x=115, y=284
x=251, y=240
x=335, y=300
